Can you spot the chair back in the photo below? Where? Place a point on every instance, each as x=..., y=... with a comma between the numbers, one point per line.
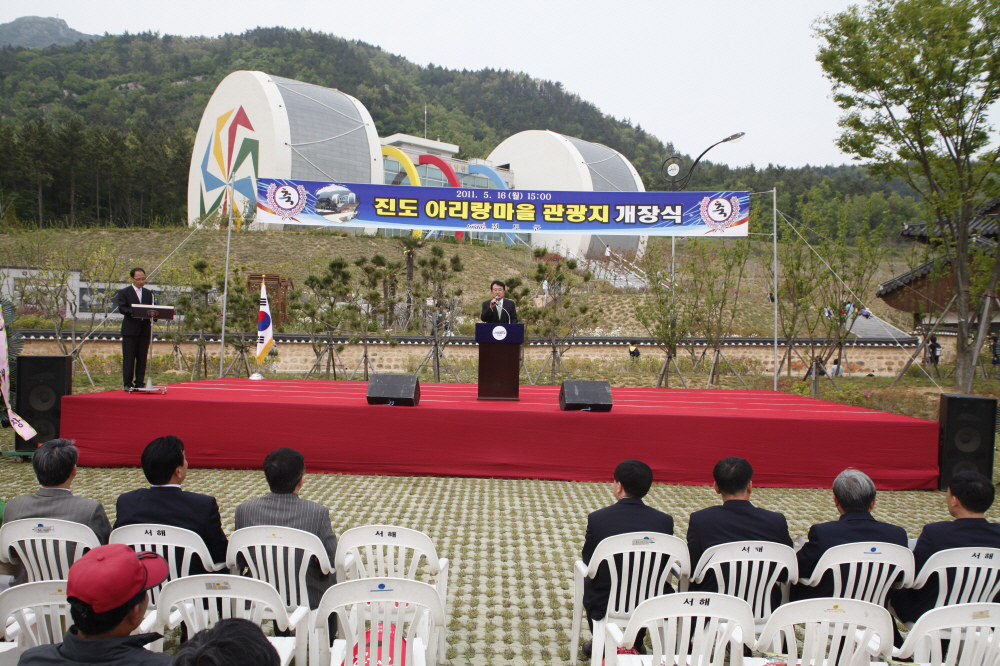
x=198, y=602
x=380, y=551
x=176, y=545
x=866, y=570
x=962, y=635
x=750, y=570
x=35, y=614
x=691, y=628
x=279, y=556
x=47, y=547
x=400, y=620
x=836, y=632
x=964, y=575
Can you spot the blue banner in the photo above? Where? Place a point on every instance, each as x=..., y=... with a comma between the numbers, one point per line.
x=330, y=204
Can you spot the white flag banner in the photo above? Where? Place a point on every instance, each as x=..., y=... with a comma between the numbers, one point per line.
x=20, y=425
x=265, y=332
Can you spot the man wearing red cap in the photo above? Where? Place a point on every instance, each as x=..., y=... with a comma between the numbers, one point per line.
x=107, y=598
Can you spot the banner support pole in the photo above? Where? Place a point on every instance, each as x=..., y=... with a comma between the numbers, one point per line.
x=225, y=290
x=774, y=239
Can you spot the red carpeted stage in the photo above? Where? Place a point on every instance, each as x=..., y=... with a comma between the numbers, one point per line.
x=791, y=441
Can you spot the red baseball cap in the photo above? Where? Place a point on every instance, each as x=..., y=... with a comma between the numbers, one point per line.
x=108, y=576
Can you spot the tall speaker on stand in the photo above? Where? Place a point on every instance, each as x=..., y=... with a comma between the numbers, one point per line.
x=966, y=434
x=42, y=381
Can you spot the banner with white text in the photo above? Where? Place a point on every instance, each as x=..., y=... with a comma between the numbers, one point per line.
x=324, y=203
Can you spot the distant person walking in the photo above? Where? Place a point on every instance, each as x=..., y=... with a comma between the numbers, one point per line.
x=995, y=354
x=633, y=351
x=934, y=354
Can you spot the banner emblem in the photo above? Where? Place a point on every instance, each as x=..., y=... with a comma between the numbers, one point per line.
x=286, y=201
x=720, y=213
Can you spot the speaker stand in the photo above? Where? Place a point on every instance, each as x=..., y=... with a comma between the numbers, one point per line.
x=330, y=352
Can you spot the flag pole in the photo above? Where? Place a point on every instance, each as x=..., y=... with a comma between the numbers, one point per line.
x=225, y=290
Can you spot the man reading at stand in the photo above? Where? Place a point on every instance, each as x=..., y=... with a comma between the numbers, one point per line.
x=136, y=333
x=499, y=310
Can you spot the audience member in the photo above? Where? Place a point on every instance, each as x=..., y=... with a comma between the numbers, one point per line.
x=854, y=497
x=231, y=642
x=735, y=520
x=969, y=495
x=632, y=480
x=165, y=467
x=285, y=471
x=107, y=597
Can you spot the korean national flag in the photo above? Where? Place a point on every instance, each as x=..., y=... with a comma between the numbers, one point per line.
x=265, y=334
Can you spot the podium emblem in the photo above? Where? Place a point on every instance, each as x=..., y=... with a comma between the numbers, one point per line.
x=499, y=333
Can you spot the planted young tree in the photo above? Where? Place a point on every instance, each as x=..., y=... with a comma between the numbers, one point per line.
x=368, y=304
x=438, y=275
x=327, y=311
x=663, y=310
x=201, y=314
x=410, y=245
x=242, y=309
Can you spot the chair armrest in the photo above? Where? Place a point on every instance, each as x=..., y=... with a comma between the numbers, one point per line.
x=615, y=635
x=299, y=615
x=148, y=624
x=442, y=580
x=219, y=566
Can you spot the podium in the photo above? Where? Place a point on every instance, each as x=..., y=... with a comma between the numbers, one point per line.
x=499, y=360
x=154, y=313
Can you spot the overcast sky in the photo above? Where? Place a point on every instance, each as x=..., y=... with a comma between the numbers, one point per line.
x=689, y=72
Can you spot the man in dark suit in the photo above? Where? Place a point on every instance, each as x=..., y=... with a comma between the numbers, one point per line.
x=499, y=310
x=632, y=481
x=165, y=467
x=854, y=497
x=736, y=520
x=969, y=495
x=136, y=333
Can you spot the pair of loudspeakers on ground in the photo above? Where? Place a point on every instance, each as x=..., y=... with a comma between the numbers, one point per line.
x=594, y=396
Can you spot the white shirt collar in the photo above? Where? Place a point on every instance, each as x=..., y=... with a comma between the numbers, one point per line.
x=168, y=485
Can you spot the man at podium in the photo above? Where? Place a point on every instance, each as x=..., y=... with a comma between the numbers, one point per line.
x=499, y=310
x=136, y=333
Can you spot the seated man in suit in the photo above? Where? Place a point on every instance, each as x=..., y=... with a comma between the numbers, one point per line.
x=735, y=520
x=969, y=495
x=165, y=467
x=499, y=309
x=632, y=481
x=285, y=471
x=854, y=497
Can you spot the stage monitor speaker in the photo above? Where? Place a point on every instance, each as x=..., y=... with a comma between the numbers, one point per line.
x=592, y=396
x=394, y=390
x=965, y=436
x=42, y=381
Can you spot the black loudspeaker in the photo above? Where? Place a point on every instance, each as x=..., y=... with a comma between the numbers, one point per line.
x=586, y=395
x=965, y=439
x=42, y=381
x=394, y=390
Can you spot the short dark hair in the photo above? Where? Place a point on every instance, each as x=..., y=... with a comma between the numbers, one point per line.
x=161, y=457
x=732, y=475
x=974, y=491
x=283, y=468
x=635, y=476
x=499, y=282
x=231, y=642
x=54, y=461
x=95, y=624
x=131, y=273
x=854, y=490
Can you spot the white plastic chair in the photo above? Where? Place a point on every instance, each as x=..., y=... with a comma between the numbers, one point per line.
x=200, y=601
x=686, y=628
x=384, y=621
x=279, y=556
x=646, y=561
x=841, y=632
x=969, y=629
x=974, y=575
x=750, y=570
x=865, y=570
x=34, y=614
x=46, y=546
x=176, y=545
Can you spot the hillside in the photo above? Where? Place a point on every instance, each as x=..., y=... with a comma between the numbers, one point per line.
x=37, y=32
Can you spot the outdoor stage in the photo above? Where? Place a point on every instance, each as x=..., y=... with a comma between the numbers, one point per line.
x=791, y=441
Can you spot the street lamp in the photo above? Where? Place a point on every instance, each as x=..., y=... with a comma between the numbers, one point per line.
x=672, y=165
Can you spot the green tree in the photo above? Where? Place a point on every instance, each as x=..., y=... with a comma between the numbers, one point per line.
x=917, y=79
x=662, y=310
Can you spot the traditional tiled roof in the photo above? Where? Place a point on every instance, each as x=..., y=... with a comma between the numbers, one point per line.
x=984, y=223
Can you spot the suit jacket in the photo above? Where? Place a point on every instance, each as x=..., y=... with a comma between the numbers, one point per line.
x=629, y=514
x=290, y=510
x=179, y=508
x=959, y=533
x=124, y=300
x=733, y=520
x=496, y=316
x=851, y=527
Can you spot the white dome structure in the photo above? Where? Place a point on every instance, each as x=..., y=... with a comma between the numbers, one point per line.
x=258, y=125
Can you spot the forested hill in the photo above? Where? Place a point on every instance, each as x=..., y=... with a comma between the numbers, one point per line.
x=147, y=89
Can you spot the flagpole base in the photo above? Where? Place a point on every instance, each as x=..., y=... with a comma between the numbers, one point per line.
x=256, y=376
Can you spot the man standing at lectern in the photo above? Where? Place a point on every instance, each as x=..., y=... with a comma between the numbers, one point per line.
x=499, y=310
x=136, y=333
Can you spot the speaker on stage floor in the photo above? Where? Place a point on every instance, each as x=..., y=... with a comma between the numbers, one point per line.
x=965, y=438
x=593, y=396
x=394, y=390
x=42, y=381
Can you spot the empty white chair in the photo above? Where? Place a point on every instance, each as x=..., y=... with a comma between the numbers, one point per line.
x=865, y=570
x=964, y=575
x=686, y=628
x=969, y=630
x=836, y=632
x=386, y=621
x=200, y=601
x=46, y=546
x=34, y=614
x=642, y=565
